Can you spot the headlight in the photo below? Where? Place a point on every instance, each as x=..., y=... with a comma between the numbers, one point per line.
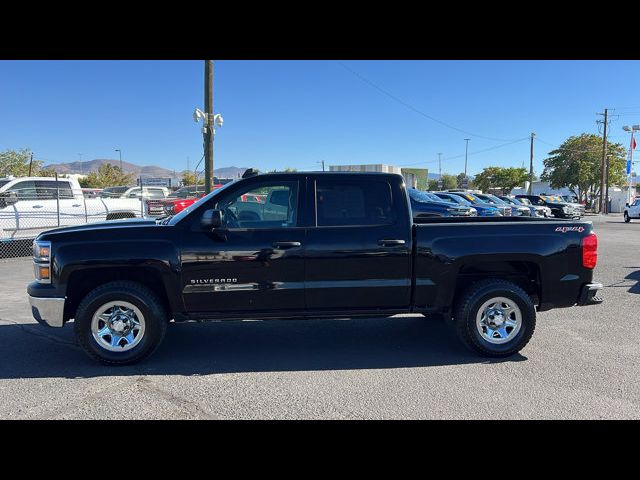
x=41, y=251
x=42, y=261
x=474, y=212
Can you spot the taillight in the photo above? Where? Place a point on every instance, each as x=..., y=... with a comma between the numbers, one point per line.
x=590, y=251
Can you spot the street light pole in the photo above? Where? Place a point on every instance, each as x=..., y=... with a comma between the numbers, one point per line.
x=466, y=152
x=632, y=129
x=120, y=153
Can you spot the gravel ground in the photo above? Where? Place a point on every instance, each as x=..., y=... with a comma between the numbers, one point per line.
x=582, y=363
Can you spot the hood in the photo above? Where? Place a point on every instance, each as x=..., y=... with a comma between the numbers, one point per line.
x=107, y=225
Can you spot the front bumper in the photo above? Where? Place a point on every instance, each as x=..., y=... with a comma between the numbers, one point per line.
x=588, y=294
x=48, y=311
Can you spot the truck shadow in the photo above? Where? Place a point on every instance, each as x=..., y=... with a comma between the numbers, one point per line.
x=235, y=347
x=634, y=276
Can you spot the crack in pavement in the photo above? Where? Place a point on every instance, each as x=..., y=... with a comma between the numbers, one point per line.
x=39, y=333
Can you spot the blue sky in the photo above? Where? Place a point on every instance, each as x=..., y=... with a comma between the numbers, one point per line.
x=296, y=113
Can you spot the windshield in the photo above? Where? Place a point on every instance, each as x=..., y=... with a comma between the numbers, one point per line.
x=493, y=199
x=424, y=197
x=524, y=201
x=176, y=218
x=549, y=199
x=113, y=191
x=455, y=199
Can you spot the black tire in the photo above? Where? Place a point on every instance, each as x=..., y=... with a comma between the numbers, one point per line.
x=472, y=300
x=627, y=219
x=155, y=320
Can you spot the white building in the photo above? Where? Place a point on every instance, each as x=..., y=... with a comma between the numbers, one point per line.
x=409, y=178
x=540, y=188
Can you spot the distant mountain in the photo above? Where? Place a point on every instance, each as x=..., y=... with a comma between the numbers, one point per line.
x=93, y=165
x=89, y=166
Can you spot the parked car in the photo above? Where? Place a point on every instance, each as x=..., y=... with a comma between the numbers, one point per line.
x=91, y=192
x=632, y=210
x=541, y=211
x=577, y=206
x=334, y=245
x=30, y=205
x=558, y=209
x=514, y=210
x=183, y=198
x=515, y=202
x=504, y=210
x=484, y=210
x=426, y=204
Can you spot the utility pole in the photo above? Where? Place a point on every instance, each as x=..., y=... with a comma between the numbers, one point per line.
x=30, y=163
x=533, y=135
x=440, y=170
x=466, y=153
x=323, y=165
x=603, y=200
x=606, y=190
x=209, y=124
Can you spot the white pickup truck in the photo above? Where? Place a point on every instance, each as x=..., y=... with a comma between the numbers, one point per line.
x=31, y=205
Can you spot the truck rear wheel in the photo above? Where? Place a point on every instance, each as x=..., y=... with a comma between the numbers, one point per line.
x=495, y=318
x=120, y=323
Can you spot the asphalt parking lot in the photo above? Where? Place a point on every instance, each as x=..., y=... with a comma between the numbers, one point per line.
x=582, y=363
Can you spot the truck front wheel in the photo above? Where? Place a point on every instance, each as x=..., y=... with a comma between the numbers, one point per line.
x=120, y=323
x=495, y=318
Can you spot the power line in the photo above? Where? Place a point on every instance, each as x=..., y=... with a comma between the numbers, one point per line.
x=470, y=153
x=412, y=108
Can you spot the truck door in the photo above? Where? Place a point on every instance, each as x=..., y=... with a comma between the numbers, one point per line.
x=255, y=262
x=358, y=252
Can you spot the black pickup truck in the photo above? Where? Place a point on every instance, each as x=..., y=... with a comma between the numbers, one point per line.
x=297, y=245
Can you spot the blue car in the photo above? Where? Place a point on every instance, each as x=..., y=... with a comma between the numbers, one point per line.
x=425, y=204
x=484, y=209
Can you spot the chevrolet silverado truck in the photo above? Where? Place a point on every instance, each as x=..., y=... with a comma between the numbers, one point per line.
x=327, y=245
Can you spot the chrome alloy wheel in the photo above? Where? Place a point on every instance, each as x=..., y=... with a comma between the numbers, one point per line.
x=117, y=326
x=499, y=320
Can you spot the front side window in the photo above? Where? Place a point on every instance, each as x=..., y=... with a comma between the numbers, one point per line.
x=25, y=190
x=269, y=205
x=341, y=202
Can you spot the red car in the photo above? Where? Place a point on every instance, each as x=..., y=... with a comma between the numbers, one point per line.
x=183, y=198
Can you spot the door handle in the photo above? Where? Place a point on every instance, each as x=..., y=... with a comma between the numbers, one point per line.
x=283, y=245
x=37, y=206
x=76, y=205
x=389, y=242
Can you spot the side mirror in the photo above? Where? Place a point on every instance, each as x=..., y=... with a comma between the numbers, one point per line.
x=211, y=219
x=11, y=197
x=626, y=205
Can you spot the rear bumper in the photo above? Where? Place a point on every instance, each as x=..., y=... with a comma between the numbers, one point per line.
x=48, y=311
x=588, y=294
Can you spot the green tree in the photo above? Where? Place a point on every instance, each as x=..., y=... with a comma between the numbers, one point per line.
x=487, y=178
x=577, y=165
x=433, y=185
x=189, y=178
x=449, y=181
x=107, y=176
x=505, y=179
x=47, y=172
x=16, y=163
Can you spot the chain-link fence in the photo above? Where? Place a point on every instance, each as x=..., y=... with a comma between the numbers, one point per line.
x=31, y=206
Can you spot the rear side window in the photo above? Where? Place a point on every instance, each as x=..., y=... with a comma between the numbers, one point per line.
x=49, y=189
x=343, y=202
